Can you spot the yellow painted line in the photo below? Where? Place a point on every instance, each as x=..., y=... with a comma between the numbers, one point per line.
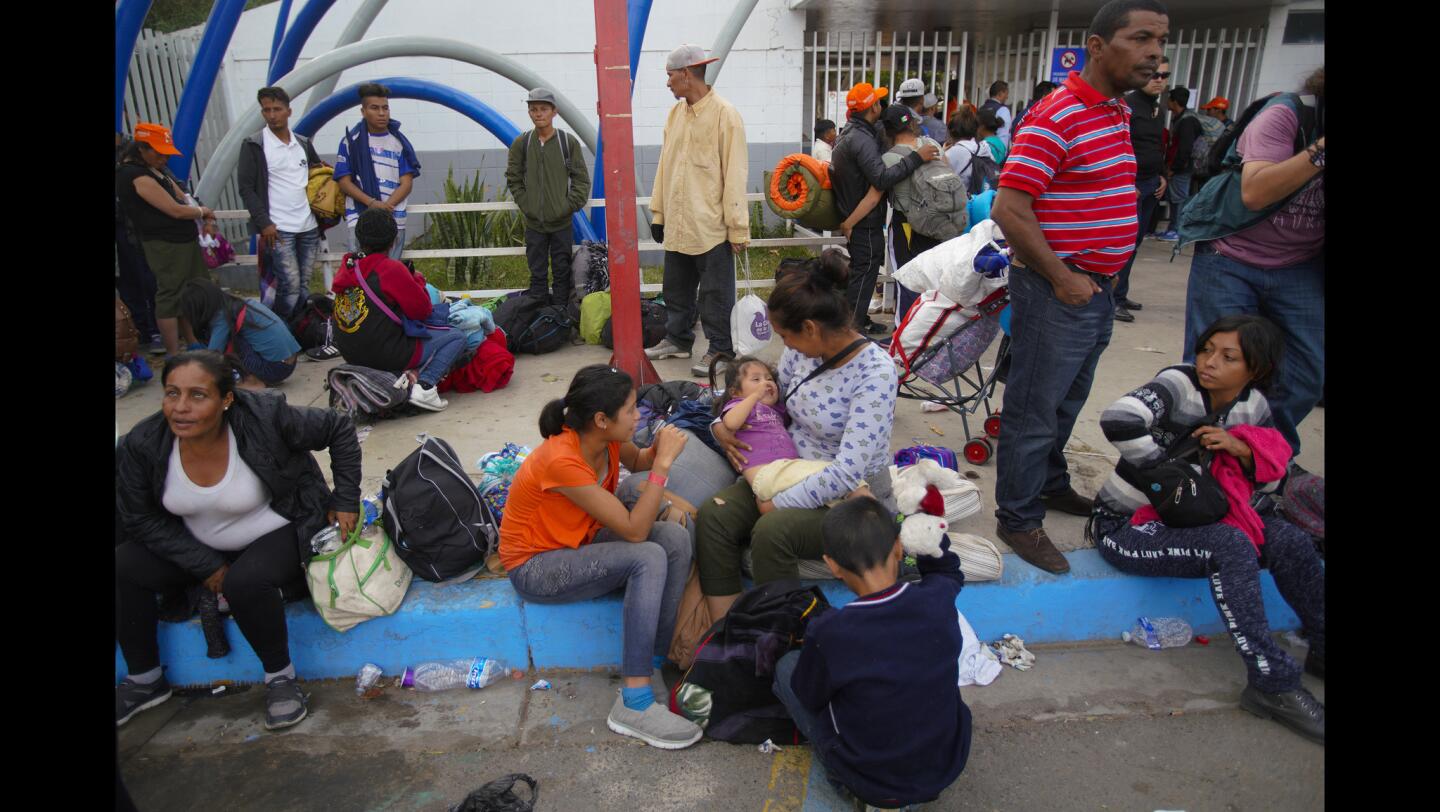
x=789, y=780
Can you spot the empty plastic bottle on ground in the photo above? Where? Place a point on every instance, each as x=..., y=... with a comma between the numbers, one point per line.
x=1158, y=632
x=442, y=676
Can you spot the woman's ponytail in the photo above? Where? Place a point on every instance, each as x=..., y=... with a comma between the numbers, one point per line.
x=552, y=418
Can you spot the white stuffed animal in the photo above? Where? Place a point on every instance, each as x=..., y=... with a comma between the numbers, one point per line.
x=917, y=494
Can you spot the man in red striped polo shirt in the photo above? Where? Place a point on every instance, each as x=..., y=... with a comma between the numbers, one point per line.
x=1067, y=206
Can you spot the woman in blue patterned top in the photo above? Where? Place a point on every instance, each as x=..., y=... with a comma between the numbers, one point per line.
x=839, y=389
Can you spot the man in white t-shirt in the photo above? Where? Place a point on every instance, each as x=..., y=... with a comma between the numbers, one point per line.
x=376, y=167
x=825, y=136
x=273, y=173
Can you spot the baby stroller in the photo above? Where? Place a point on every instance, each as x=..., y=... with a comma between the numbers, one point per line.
x=939, y=344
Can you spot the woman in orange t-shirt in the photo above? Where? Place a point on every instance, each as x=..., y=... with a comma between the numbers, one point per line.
x=566, y=537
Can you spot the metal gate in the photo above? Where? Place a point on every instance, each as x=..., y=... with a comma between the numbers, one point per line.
x=837, y=60
x=1210, y=62
x=152, y=93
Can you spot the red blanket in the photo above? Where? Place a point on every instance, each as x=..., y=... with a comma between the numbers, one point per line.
x=489, y=370
x=1272, y=457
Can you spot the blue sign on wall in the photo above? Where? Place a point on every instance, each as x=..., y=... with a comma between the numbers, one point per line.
x=1064, y=60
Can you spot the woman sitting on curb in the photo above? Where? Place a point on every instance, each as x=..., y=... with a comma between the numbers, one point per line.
x=1235, y=359
x=220, y=487
x=373, y=294
x=565, y=536
x=263, y=344
x=844, y=414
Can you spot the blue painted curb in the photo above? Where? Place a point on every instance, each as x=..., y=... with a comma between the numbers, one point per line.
x=487, y=619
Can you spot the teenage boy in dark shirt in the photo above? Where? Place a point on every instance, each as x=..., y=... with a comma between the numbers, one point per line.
x=875, y=687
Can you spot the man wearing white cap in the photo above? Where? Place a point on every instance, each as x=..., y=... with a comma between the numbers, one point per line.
x=698, y=210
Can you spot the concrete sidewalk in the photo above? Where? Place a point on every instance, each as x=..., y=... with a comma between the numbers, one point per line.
x=1100, y=726
x=479, y=423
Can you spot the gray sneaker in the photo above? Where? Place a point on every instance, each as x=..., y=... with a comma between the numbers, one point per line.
x=655, y=726
x=701, y=368
x=666, y=349
x=284, y=703
x=132, y=697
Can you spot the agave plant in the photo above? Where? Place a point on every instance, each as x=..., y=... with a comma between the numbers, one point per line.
x=472, y=229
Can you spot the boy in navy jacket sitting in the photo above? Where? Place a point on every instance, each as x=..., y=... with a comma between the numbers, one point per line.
x=875, y=686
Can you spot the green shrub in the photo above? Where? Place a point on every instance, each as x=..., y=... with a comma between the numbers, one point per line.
x=472, y=229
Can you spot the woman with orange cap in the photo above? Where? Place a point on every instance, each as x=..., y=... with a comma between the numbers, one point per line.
x=165, y=220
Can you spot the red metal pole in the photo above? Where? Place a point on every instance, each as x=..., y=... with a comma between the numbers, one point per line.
x=612, y=68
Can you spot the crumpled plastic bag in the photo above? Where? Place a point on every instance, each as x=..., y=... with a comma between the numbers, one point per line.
x=1011, y=651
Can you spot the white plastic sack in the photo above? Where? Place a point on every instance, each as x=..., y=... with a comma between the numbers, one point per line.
x=950, y=267
x=931, y=320
x=750, y=331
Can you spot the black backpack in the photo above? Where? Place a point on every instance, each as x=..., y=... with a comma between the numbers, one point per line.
x=431, y=510
x=652, y=325
x=728, y=689
x=310, y=323
x=532, y=324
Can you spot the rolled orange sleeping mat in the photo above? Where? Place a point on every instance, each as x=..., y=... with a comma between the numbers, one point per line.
x=799, y=189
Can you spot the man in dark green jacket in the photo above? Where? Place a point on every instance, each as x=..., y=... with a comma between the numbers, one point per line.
x=549, y=182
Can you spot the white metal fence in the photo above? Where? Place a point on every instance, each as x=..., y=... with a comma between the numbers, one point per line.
x=837, y=60
x=232, y=215
x=158, y=71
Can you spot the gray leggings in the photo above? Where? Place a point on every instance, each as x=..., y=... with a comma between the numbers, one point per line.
x=651, y=572
x=1225, y=557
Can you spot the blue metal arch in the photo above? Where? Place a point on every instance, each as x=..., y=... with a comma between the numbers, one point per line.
x=289, y=51
x=219, y=28
x=281, y=20
x=129, y=17
x=424, y=90
x=637, y=17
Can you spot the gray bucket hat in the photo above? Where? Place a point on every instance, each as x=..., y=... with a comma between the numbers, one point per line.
x=541, y=94
x=688, y=56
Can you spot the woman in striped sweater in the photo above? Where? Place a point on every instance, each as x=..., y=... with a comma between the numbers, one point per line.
x=1235, y=359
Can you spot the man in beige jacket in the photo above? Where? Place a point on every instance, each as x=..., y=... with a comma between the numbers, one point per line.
x=698, y=210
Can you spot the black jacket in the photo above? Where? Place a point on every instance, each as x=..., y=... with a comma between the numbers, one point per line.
x=1147, y=126
x=253, y=176
x=1184, y=131
x=275, y=440
x=855, y=166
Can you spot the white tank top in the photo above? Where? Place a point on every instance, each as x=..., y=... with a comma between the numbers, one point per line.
x=228, y=515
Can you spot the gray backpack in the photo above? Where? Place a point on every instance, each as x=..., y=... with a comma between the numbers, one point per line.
x=942, y=200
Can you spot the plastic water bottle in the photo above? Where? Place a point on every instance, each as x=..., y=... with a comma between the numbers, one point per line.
x=327, y=540
x=1158, y=632
x=368, y=677
x=370, y=516
x=442, y=676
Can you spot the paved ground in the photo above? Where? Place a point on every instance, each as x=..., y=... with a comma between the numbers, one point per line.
x=1101, y=726
x=478, y=423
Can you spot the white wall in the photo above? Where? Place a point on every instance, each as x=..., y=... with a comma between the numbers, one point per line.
x=555, y=38
x=1284, y=67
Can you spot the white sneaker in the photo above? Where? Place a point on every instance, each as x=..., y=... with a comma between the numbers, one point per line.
x=427, y=398
x=666, y=349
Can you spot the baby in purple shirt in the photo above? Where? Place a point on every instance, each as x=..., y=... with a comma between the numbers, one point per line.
x=752, y=409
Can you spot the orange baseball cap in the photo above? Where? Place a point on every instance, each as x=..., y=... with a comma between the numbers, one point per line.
x=1217, y=103
x=158, y=137
x=863, y=95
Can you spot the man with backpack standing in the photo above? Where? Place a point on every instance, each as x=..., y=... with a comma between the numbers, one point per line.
x=548, y=181
x=1259, y=230
x=1214, y=122
x=1068, y=249
x=376, y=167
x=999, y=95
x=855, y=168
x=1184, y=130
x=698, y=210
x=273, y=175
x=1147, y=129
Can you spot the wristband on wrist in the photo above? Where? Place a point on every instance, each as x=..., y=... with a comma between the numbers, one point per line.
x=658, y=480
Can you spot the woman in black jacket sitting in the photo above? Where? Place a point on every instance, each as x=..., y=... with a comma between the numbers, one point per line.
x=220, y=488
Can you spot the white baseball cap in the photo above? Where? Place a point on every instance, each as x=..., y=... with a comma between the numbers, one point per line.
x=910, y=88
x=688, y=56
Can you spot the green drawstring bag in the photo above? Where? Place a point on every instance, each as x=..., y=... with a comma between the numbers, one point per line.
x=363, y=579
x=594, y=312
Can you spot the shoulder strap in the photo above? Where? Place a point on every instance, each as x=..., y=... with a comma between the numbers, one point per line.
x=828, y=364
x=239, y=323
x=525, y=148
x=565, y=147
x=370, y=294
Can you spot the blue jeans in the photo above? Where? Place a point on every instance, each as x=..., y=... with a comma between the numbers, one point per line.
x=652, y=573
x=1145, y=206
x=1054, y=348
x=1293, y=297
x=295, y=255
x=269, y=372
x=438, y=353
x=819, y=731
x=395, y=249
x=1178, y=192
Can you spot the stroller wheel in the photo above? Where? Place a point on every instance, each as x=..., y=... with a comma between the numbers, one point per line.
x=978, y=451
x=992, y=425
